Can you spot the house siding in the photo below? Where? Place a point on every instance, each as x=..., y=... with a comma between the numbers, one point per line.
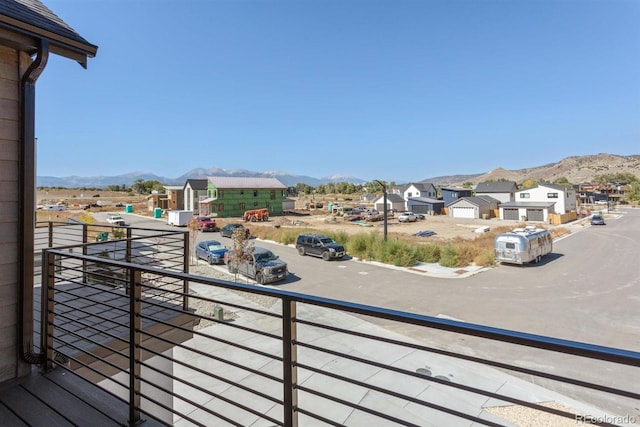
x=9, y=209
x=231, y=202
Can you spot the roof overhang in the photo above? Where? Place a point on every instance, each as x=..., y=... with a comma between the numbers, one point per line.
x=26, y=37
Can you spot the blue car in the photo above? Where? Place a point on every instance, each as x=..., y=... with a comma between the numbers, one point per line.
x=211, y=251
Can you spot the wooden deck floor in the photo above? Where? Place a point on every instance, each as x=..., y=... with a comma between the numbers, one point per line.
x=60, y=398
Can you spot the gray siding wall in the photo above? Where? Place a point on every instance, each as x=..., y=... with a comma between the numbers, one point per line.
x=9, y=191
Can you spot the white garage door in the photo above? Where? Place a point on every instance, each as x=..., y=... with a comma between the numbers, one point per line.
x=464, y=212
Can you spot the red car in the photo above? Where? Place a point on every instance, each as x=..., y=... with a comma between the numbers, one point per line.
x=206, y=223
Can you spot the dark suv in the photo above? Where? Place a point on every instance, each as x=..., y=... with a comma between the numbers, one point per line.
x=320, y=246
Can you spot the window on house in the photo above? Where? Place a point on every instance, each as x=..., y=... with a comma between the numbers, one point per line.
x=255, y=193
x=220, y=207
x=241, y=191
x=552, y=195
x=525, y=195
x=272, y=195
x=242, y=207
x=221, y=194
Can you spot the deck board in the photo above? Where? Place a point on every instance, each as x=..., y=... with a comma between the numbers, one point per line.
x=61, y=399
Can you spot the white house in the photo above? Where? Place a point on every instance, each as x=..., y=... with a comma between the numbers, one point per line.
x=420, y=189
x=395, y=203
x=563, y=198
x=194, y=190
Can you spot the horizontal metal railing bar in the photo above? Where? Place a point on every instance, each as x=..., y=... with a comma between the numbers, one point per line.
x=218, y=301
x=92, y=369
x=221, y=359
x=369, y=410
x=445, y=383
x=626, y=357
x=102, y=303
x=92, y=341
x=493, y=363
x=211, y=319
x=216, y=395
x=217, y=377
x=186, y=417
x=84, y=352
x=318, y=417
x=221, y=340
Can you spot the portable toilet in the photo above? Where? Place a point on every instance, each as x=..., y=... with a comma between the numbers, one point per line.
x=330, y=207
x=128, y=208
x=157, y=213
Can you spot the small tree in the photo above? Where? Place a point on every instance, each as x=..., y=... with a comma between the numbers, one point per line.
x=242, y=249
x=193, y=237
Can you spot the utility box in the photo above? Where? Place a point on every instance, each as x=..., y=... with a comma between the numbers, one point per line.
x=218, y=313
x=179, y=218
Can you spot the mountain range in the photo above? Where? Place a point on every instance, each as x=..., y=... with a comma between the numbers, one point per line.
x=575, y=168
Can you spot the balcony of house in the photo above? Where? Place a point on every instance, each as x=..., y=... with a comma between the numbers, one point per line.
x=134, y=337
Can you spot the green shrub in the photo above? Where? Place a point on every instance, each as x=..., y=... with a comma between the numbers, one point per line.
x=429, y=252
x=449, y=256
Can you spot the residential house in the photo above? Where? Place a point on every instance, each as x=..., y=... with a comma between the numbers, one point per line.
x=535, y=204
x=175, y=197
x=420, y=189
x=425, y=205
x=194, y=191
x=451, y=194
x=232, y=196
x=473, y=207
x=367, y=197
x=395, y=203
x=157, y=200
x=503, y=191
x=563, y=198
x=29, y=34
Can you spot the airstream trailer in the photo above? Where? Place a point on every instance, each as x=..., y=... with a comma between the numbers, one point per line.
x=523, y=245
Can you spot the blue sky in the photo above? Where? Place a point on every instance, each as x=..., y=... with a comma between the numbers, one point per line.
x=394, y=90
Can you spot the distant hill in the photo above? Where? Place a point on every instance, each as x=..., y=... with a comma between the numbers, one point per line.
x=576, y=169
x=198, y=173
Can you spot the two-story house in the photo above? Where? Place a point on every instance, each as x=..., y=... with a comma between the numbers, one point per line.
x=232, y=196
x=194, y=191
x=503, y=191
x=535, y=204
x=451, y=194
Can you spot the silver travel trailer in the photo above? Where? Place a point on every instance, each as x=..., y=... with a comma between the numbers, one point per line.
x=523, y=245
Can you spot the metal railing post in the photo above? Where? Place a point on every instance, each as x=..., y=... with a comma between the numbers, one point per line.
x=185, y=268
x=85, y=240
x=127, y=255
x=289, y=362
x=47, y=307
x=135, y=323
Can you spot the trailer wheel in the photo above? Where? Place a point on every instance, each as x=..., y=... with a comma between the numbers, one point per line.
x=260, y=278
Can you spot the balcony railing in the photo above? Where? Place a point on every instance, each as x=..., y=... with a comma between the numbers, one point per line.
x=189, y=350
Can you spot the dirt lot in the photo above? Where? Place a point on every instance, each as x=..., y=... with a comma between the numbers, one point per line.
x=444, y=227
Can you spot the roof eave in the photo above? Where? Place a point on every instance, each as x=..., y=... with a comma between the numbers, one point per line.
x=26, y=37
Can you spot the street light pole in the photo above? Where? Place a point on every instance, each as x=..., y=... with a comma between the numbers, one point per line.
x=384, y=201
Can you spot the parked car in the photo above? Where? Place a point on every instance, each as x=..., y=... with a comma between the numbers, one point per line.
x=320, y=246
x=206, y=223
x=115, y=219
x=597, y=220
x=262, y=265
x=407, y=217
x=211, y=251
x=229, y=229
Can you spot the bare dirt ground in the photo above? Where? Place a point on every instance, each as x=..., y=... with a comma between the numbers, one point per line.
x=445, y=227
